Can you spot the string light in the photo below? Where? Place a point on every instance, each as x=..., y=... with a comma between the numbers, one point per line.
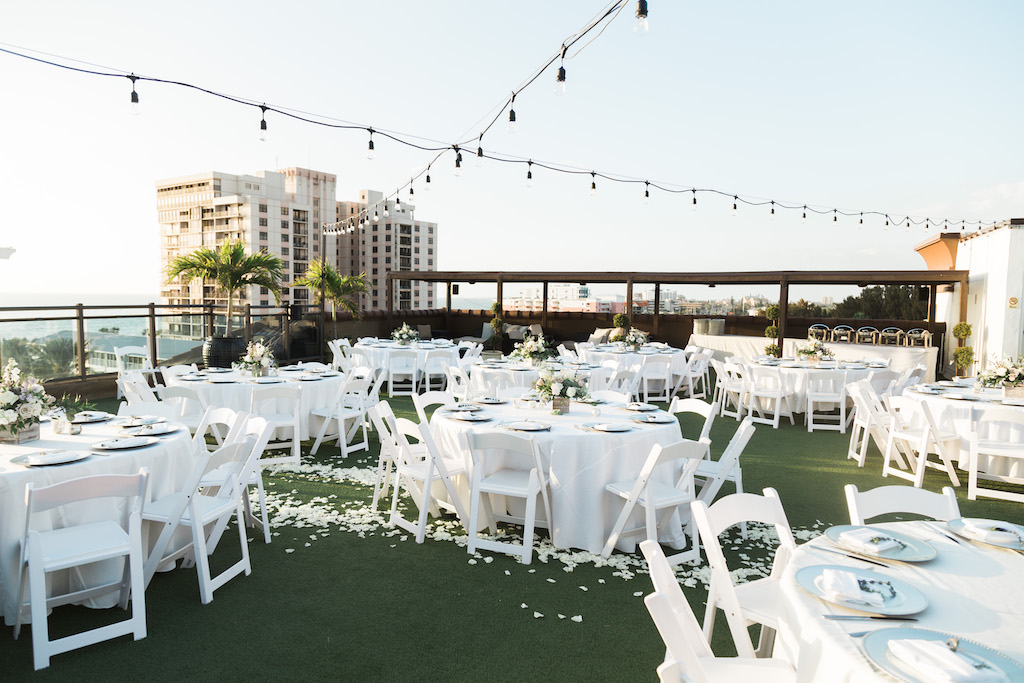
x=647, y=192
x=803, y=218
x=560, y=77
x=908, y=223
x=529, y=173
x=412, y=192
x=427, y=181
x=376, y=217
x=398, y=203
x=136, y=107
x=386, y=212
x=263, y=123
x=734, y=200
x=458, y=162
x=370, y=153
x=835, y=215
x=593, y=184
x=640, y=26
x=480, y=151
x=693, y=206
x=771, y=216
x=886, y=221
x=512, y=114
x=862, y=219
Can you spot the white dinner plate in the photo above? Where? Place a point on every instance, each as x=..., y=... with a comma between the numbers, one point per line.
x=329, y=373
x=908, y=600
x=46, y=458
x=958, y=527
x=126, y=443
x=143, y=420
x=468, y=417
x=608, y=426
x=913, y=549
x=266, y=380
x=640, y=407
x=590, y=400
x=152, y=430
x=655, y=419
x=462, y=408
x=876, y=648
x=217, y=370
x=87, y=416
x=191, y=378
x=490, y=401
x=947, y=383
x=954, y=396
x=528, y=426
x=310, y=378
x=290, y=368
x=221, y=380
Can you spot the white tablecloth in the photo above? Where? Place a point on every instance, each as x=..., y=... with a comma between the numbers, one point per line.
x=237, y=394
x=902, y=357
x=580, y=464
x=379, y=352
x=627, y=359
x=169, y=462
x=796, y=377
x=973, y=591
x=486, y=379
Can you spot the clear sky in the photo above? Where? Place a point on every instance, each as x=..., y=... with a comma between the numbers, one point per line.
x=906, y=108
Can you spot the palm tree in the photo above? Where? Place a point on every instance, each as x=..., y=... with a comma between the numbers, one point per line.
x=337, y=288
x=231, y=269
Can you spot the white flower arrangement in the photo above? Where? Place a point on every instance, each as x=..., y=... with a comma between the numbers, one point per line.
x=533, y=349
x=22, y=400
x=257, y=357
x=813, y=348
x=1003, y=372
x=561, y=384
x=636, y=338
x=405, y=334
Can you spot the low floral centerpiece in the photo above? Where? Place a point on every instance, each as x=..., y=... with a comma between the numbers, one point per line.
x=635, y=338
x=258, y=359
x=405, y=334
x=813, y=350
x=1006, y=373
x=22, y=402
x=559, y=386
x=533, y=350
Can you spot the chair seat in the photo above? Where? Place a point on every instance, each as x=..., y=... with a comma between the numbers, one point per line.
x=63, y=548
x=760, y=601
x=345, y=413
x=665, y=495
x=1001, y=448
x=739, y=668
x=506, y=483
x=209, y=508
x=419, y=469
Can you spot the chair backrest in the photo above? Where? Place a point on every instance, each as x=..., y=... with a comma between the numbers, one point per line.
x=827, y=382
x=187, y=400
x=135, y=388
x=656, y=367
x=170, y=372
x=765, y=379
x=403, y=361
x=132, y=358
x=266, y=399
x=728, y=461
x=621, y=381
x=383, y=418
x=436, y=360
x=904, y=412
x=882, y=380
x=690, y=451
x=565, y=352
x=168, y=411
x=516, y=444
x=257, y=432
x=864, y=505
x=86, y=488
x=431, y=398
x=458, y=382
x=697, y=407
x=223, y=423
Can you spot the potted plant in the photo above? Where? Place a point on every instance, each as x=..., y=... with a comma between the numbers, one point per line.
x=963, y=356
x=1006, y=373
x=498, y=325
x=231, y=269
x=620, y=321
x=559, y=387
x=772, y=331
x=22, y=402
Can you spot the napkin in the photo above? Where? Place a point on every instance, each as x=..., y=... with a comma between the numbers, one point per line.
x=932, y=660
x=991, y=531
x=866, y=540
x=839, y=585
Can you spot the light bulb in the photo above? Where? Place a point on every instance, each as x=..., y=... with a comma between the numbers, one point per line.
x=458, y=163
x=398, y=202
x=647, y=192
x=370, y=152
x=386, y=212
x=640, y=26
x=593, y=184
x=529, y=174
x=412, y=192
x=835, y=216
x=263, y=123
x=861, y=221
x=136, y=107
x=560, y=81
x=511, y=120
x=693, y=206
x=479, y=157
x=803, y=219
x=428, y=182
x=734, y=199
x=376, y=216
x=771, y=216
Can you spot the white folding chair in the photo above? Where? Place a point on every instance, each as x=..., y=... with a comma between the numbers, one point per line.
x=403, y=369
x=565, y=352
x=223, y=424
x=383, y=419
x=347, y=415
x=190, y=404
x=654, y=495
x=419, y=471
x=883, y=500
x=913, y=431
x=696, y=406
x=434, y=369
x=734, y=390
x=75, y=545
x=169, y=372
x=711, y=475
x=135, y=389
x=622, y=381
x=128, y=358
x=188, y=507
x=281, y=406
x=610, y=396
x=753, y=602
x=996, y=453
x=826, y=392
x=694, y=378
x=870, y=423
x=656, y=378
x=429, y=399
x=520, y=474
x=458, y=382
x=767, y=388
x=261, y=431
x=688, y=653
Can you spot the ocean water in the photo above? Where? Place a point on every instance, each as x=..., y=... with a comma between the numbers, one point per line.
x=36, y=325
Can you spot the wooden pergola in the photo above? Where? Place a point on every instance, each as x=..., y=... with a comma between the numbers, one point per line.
x=783, y=278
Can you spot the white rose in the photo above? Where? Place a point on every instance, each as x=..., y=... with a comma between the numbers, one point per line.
x=8, y=397
x=25, y=410
x=571, y=391
x=1000, y=372
x=556, y=388
x=265, y=362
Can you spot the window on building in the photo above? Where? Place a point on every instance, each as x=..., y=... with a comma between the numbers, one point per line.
x=316, y=202
x=263, y=208
x=284, y=210
x=374, y=261
x=430, y=262
x=284, y=237
x=416, y=262
x=284, y=251
x=387, y=261
x=263, y=222
x=375, y=250
x=284, y=225
x=430, y=240
x=263, y=236
x=264, y=291
x=374, y=272
x=374, y=239
x=387, y=249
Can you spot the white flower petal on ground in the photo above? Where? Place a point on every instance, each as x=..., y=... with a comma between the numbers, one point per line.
x=537, y=615
x=578, y=618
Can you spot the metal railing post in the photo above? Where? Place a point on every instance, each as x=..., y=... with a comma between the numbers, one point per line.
x=152, y=335
x=80, y=321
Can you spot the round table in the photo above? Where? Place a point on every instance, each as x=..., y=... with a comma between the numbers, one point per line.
x=973, y=591
x=580, y=463
x=169, y=462
x=627, y=359
x=489, y=377
x=379, y=352
x=233, y=390
x=796, y=376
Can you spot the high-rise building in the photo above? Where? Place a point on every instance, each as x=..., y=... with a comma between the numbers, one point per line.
x=391, y=240
x=282, y=213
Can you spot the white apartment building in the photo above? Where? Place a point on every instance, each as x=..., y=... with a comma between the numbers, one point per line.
x=278, y=211
x=391, y=240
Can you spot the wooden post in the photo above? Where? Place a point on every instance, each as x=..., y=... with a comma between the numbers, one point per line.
x=629, y=299
x=783, y=310
x=544, y=310
x=932, y=291
x=657, y=309
x=80, y=321
x=501, y=295
x=248, y=323
x=152, y=336
x=448, y=306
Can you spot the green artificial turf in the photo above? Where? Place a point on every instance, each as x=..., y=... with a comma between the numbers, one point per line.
x=379, y=606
